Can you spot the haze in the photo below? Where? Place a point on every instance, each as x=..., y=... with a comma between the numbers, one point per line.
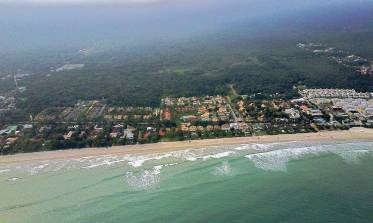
x=36, y=24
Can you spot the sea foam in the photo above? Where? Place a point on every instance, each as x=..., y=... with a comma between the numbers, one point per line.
x=218, y=155
x=277, y=160
x=144, y=180
x=223, y=170
x=4, y=171
x=273, y=156
x=352, y=156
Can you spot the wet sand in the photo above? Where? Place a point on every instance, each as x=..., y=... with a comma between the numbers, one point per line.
x=164, y=147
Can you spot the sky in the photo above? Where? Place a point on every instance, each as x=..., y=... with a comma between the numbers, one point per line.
x=47, y=23
x=124, y=2
x=76, y=2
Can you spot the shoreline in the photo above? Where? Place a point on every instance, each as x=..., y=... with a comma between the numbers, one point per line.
x=164, y=147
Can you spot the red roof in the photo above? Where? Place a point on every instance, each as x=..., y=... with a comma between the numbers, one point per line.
x=304, y=107
x=167, y=115
x=162, y=132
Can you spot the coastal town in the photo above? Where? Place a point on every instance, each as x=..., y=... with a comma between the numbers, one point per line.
x=97, y=124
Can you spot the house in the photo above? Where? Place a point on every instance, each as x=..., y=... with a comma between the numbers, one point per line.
x=205, y=116
x=118, y=117
x=168, y=101
x=226, y=127
x=9, y=130
x=304, y=108
x=114, y=134
x=74, y=127
x=27, y=126
x=217, y=127
x=234, y=126
x=215, y=119
x=108, y=117
x=222, y=111
x=208, y=100
x=202, y=110
x=184, y=127
x=162, y=132
x=316, y=113
x=128, y=134
x=210, y=128
x=193, y=128
x=11, y=140
x=243, y=126
x=69, y=135
x=189, y=118
x=150, y=129
x=224, y=117
x=129, y=127
x=241, y=106
x=118, y=127
x=319, y=121
x=292, y=113
x=200, y=128
x=167, y=115
x=97, y=130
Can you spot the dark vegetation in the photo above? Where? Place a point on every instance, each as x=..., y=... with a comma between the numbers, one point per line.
x=143, y=77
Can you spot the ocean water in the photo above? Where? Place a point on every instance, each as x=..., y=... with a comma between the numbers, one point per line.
x=279, y=182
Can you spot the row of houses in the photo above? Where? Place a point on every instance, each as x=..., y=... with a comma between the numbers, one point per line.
x=180, y=117
x=334, y=93
x=118, y=131
x=206, y=109
x=188, y=127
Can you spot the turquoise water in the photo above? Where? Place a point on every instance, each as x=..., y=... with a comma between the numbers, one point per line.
x=285, y=182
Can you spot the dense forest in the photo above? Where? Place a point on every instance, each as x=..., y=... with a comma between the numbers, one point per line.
x=266, y=65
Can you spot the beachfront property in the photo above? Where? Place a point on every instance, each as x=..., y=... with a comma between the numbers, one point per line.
x=351, y=111
x=94, y=123
x=273, y=116
x=198, y=114
x=10, y=130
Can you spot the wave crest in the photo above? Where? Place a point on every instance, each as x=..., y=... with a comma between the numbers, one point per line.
x=144, y=180
x=224, y=169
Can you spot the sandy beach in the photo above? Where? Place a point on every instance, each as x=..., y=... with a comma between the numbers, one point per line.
x=163, y=147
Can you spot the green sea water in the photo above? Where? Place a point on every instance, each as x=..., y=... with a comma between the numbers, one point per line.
x=288, y=182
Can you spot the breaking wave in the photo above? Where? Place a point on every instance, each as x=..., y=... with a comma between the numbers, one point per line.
x=277, y=160
x=4, y=171
x=144, y=180
x=224, y=169
x=272, y=157
x=352, y=156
